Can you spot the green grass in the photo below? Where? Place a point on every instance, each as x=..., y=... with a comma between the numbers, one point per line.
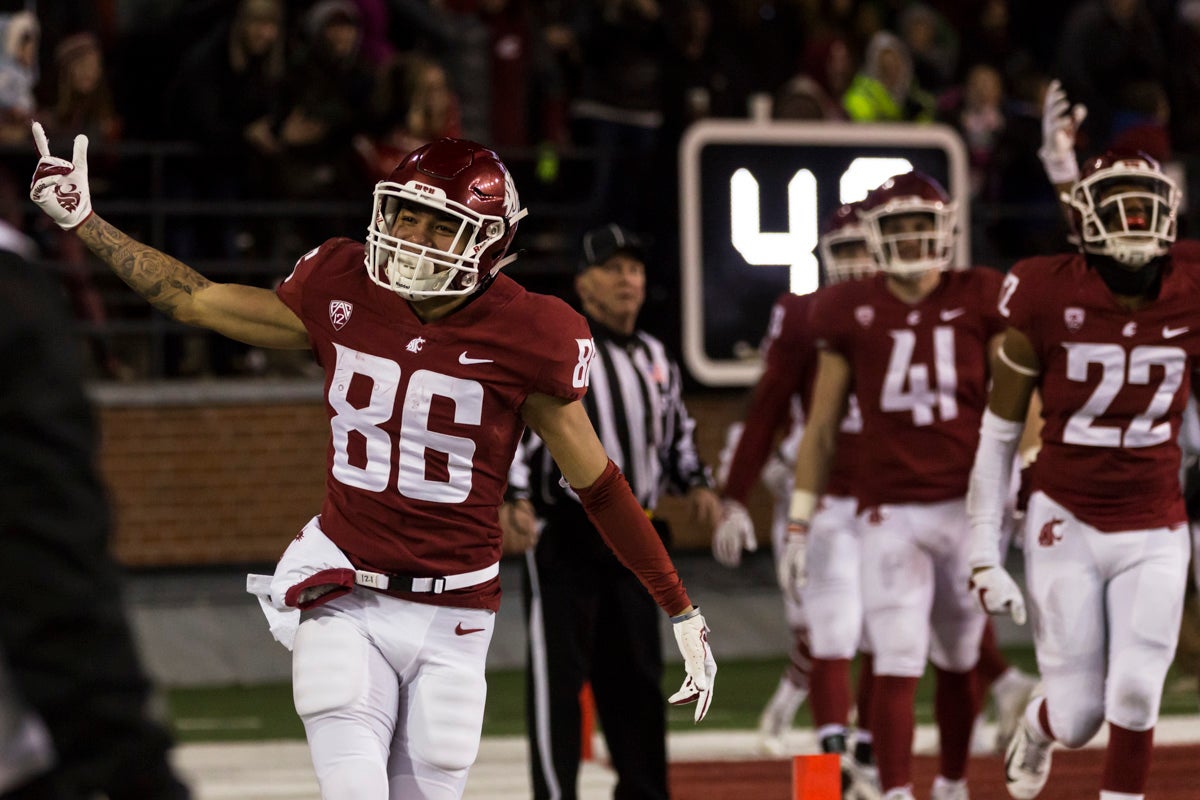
x=265, y=712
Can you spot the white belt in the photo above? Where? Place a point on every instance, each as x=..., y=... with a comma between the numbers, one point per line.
x=408, y=583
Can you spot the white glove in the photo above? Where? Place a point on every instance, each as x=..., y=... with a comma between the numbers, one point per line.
x=691, y=634
x=791, y=567
x=778, y=476
x=1060, y=123
x=60, y=187
x=998, y=592
x=733, y=533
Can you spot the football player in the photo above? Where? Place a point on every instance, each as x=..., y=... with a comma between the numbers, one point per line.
x=434, y=364
x=826, y=618
x=1108, y=337
x=913, y=343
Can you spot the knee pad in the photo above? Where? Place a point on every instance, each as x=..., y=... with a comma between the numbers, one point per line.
x=446, y=718
x=1074, y=725
x=1135, y=699
x=329, y=665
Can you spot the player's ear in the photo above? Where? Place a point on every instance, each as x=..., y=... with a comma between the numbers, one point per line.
x=583, y=284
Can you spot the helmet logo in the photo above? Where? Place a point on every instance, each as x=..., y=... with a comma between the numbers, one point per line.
x=415, y=345
x=339, y=313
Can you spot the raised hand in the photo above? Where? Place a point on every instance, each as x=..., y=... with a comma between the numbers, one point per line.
x=60, y=187
x=1060, y=125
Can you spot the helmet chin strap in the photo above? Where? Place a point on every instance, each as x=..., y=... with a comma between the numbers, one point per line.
x=1120, y=279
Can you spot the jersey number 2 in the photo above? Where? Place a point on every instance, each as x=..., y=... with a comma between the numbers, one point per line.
x=1141, y=432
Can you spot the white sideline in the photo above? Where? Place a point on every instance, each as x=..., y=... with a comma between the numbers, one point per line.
x=281, y=770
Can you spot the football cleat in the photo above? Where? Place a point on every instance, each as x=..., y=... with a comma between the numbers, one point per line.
x=1027, y=763
x=778, y=715
x=903, y=793
x=946, y=789
x=859, y=781
x=1011, y=693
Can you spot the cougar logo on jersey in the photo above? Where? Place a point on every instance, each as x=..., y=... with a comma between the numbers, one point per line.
x=339, y=313
x=415, y=345
x=1129, y=330
x=1073, y=317
x=864, y=315
x=68, y=196
x=1049, y=534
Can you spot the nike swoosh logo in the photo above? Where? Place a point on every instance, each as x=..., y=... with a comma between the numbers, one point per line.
x=1171, y=333
x=461, y=631
x=463, y=358
x=953, y=313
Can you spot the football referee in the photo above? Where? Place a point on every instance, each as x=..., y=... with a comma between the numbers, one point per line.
x=589, y=617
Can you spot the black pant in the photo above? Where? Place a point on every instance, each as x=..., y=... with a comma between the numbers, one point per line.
x=591, y=620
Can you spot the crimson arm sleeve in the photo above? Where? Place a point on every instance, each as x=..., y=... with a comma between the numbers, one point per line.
x=768, y=412
x=612, y=508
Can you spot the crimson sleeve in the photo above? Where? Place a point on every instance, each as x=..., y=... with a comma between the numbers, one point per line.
x=625, y=528
x=768, y=412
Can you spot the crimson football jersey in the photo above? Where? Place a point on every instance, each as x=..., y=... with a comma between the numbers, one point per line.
x=1114, y=384
x=425, y=417
x=789, y=368
x=920, y=373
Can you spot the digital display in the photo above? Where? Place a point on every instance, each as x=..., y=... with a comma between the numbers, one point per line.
x=754, y=197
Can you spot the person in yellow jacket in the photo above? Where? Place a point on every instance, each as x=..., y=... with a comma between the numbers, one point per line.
x=884, y=89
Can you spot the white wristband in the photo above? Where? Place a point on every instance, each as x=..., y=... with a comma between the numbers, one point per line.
x=803, y=504
x=991, y=478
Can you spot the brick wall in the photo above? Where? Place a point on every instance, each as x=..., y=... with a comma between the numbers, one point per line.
x=212, y=474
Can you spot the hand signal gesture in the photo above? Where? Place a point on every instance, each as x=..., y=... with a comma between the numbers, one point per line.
x=60, y=187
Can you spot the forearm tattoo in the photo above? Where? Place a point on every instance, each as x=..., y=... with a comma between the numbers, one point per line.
x=154, y=275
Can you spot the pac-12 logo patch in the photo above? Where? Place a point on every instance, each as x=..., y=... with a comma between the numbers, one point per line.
x=1073, y=317
x=339, y=313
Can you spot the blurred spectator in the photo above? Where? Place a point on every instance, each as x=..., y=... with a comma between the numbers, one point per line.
x=225, y=93
x=618, y=109
x=803, y=98
x=1106, y=44
x=1024, y=212
x=19, y=36
x=977, y=111
x=412, y=104
x=702, y=77
x=829, y=60
x=933, y=45
x=224, y=99
x=1141, y=120
x=884, y=90
x=327, y=88
x=526, y=101
x=84, y=103
x=377, y=48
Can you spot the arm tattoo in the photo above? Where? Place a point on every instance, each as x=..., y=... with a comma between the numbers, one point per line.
x=154, y=275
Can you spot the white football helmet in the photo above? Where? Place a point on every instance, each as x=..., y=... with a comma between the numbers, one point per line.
x=1124, y=206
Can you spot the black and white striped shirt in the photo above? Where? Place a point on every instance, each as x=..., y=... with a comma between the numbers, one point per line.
x=635, y=402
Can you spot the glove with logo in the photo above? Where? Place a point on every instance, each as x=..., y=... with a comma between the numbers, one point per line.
x=60, y=187
x=733, y=533
x=998, y=592
x=691, y=634
x=1060, y=123
x=791, y=569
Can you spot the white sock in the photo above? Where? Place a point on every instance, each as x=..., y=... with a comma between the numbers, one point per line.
x=1105, y=795
x=1035, y=725
x=939, y=782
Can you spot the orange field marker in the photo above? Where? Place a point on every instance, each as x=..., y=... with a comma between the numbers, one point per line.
x=587, y=720
x=817, y=777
